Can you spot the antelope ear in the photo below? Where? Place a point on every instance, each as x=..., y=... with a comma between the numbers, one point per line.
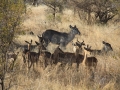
x=85, y=48
x=83, y=43
x=79, y=42
x=31, y=40
x=38, y=36
x=70, y=26
x=103, y=42
x=89, y=47
x=27, y=42
x=74, y=44
x=36, y=42
x=75, y=26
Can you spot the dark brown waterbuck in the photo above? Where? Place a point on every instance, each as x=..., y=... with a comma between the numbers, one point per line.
x=67, y=57
x=33, y=57
x=59, y=38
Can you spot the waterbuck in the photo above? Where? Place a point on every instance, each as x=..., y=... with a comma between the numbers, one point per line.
x=105, y=49
x=89, y=62
x=60, y=38
x=67, y=57
x=26, y=50
x=33, y=57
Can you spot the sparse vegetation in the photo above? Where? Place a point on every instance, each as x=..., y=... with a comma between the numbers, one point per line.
x=96, y=11
x=55, y=6
x=10, y=18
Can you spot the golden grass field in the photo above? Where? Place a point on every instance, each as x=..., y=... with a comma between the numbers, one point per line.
x=107, y=74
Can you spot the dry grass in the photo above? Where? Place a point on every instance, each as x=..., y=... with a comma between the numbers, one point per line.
x=106, y=75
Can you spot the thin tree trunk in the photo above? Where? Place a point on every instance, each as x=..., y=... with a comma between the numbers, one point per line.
x=54, y=13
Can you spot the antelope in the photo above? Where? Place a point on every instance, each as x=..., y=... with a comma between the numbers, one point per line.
x=59, y=38
x=25, y=51
x=42, y=41
x=44, y=54
x=79, y=45
x=106, y=48
x=89, y=62
x=12, y=56
x=67, y=57
x=56, y=54
x=46, y=58
x=33, y=57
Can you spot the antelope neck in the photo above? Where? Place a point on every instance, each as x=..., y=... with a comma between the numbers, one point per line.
x=85, y=57
x=71, y=35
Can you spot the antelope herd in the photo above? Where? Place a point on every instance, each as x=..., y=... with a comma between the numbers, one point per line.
x=80, y=54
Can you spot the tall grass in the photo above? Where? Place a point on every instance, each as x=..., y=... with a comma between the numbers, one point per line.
x=107, y=74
